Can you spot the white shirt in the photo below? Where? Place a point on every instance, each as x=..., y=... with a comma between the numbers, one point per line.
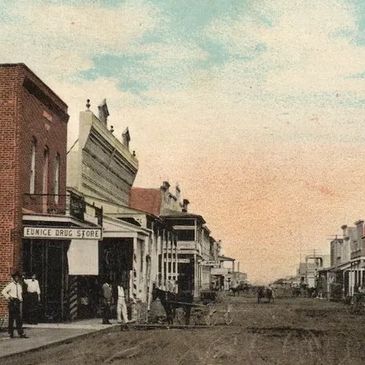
x=33, y=286
x=13, y=290
x=121, y=293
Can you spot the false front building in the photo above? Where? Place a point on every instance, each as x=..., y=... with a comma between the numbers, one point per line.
x=102, y=168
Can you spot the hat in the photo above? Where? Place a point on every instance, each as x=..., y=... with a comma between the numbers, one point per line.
x=15, y=273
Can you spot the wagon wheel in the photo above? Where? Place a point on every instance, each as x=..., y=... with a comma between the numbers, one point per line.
x=197, y=317
x=180, y=316
x=211, y=315
x=211, y=319
x=228, y=318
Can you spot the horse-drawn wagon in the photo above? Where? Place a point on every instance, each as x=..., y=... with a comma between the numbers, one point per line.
x=204, y=314
x=180, y=309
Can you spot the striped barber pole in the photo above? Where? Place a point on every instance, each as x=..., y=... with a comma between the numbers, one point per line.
x=135, y=277
x=133, y=289
x=73, y=296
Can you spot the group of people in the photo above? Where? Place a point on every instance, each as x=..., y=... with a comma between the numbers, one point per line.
x=121, y=304
x=23, y=296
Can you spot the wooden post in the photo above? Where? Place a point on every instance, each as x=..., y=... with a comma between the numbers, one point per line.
x=176, y=274
x=163, y=261
x=159, y=265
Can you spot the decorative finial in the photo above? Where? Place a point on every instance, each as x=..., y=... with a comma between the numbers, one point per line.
x=126, y=137
x=103, y=112
x=111, y=129
x=88, y=104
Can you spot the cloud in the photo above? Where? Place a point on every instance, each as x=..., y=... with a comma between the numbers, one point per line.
x=309, y=47
x=60, y=39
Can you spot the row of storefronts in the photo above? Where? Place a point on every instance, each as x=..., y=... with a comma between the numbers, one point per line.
x=345, y=275
x=73, y=217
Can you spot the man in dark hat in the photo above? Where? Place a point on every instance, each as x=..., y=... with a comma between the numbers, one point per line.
x=13, y=294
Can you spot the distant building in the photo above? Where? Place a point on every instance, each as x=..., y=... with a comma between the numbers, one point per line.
x=228, y=273
x=308, y=270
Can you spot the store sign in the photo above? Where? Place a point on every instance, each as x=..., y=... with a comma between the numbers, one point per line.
x=210, y=263
x=219, y=271
x=183, y=261
x=63, y=233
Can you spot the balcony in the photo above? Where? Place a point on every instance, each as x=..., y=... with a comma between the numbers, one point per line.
x=186, y=245
x=356, y=254
x=70, y=204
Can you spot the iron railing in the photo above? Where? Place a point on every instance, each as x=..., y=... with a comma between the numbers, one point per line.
x=62, y=204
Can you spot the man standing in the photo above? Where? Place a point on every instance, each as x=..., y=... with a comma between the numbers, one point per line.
x=34, y=297
x=107, y=301
x=121, y=305
x=13, y=293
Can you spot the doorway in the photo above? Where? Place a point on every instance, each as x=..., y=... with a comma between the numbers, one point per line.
x=47, y=259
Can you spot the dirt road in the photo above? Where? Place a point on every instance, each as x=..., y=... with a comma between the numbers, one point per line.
x=290, y=331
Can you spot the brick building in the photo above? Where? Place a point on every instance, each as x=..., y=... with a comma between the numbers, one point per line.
x=35, y=209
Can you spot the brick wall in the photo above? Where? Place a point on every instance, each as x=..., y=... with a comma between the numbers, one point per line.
x=28, y=109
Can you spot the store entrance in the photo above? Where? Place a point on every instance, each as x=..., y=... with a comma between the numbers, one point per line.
x=186, y=277
x=47, y=259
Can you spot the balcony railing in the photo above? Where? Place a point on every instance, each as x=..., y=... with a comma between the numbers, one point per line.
x=46, y=203
x=355, y=254
x=68, y=204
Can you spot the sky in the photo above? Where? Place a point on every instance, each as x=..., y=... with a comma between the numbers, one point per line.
x=254, y=107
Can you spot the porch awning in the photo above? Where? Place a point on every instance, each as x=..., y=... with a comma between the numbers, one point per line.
x=83, y=257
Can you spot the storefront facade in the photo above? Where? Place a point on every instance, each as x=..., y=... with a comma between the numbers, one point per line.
x=59, y=249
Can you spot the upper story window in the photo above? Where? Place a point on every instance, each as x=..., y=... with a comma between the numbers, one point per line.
x=45, y=170
x=32, y=167
x=186, y=235
x=57, y=178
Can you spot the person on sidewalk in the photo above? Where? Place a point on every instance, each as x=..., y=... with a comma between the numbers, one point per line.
x=24, y=303
x=121, y=305
x=107, y=301
x=34, y=298
x=13, y=294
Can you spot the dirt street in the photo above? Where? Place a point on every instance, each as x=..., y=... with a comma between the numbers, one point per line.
x=290, y=331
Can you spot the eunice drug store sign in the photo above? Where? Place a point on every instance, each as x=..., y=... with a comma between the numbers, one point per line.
x=62, y=233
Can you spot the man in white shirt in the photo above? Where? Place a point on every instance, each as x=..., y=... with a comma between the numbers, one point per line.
x=13, y=294
x=34, y=297
x=121, y=305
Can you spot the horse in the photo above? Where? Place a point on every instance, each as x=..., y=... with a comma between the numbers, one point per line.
x=171, y=301
x=239, y=288
x=263, y=292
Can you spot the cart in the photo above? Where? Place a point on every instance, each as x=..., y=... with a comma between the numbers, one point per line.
x=202, y=314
